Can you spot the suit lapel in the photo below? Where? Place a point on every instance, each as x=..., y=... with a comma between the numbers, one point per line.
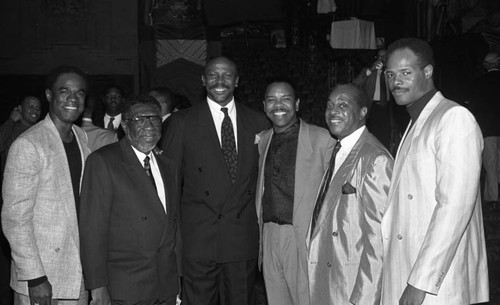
x=138, y=174
x=304, y=153
x=406, y=146
x=209, y=140
x=264, y=142
x=341, y=176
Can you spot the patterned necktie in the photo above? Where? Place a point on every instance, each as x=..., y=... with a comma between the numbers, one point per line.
x=110, y=124
x=324, y=186
x=147, y=168
x=229, y=145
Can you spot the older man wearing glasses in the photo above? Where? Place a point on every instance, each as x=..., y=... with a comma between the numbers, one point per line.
x=128, y=215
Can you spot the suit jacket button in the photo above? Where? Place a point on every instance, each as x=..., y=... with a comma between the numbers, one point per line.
x=144, y=218
x=207, y=193
x=238, y=216
x=57, y=249
x=399, y=237
x=329, y=264
x=410, y=196
x=335, y=234
x=220, y=216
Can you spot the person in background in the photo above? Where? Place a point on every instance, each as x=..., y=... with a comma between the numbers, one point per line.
x=97, y=136
x=485, y=105
x=167, y=102
x=292, y=161
x=434, y=247
x=381, y=121
x=21, y=118
x=41, y=197
x=113, y=101
x=345, y=237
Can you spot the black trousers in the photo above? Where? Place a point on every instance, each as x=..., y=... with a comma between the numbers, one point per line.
x=210, y=283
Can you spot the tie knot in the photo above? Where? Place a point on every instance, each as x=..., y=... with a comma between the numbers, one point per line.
x=146, y=162
x=337, y=146
x=111, y=119
x=224, y=109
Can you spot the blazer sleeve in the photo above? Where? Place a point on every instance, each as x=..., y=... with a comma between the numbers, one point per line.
x=20, y=187
x=372, y=204
x=95, y=210
x=458, y=145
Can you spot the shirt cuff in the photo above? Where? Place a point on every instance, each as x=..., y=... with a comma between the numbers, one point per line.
x=35, y=282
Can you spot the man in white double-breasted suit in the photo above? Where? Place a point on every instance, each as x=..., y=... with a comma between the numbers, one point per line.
x=345, y=244
x=41, y=192
x=434, y=248
x=292, y=160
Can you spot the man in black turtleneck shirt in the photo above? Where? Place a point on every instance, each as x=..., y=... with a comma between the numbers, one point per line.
x=291, y=164
x=434, y=246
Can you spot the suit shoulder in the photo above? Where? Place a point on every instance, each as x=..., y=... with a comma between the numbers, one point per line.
x=107, y=151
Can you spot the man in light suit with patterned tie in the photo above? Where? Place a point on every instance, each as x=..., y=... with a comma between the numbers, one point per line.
x=345, y=239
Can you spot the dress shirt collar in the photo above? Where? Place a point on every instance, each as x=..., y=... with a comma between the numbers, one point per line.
x=348, y=142
x=140, y=155
x=215, y=108
x=163, y=118
x=116, y=121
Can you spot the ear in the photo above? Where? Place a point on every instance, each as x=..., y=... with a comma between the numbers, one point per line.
x=362, y=113
x=48, y=95
x=203, y=80
x=236, y=81
x=428, y=70
x=297, y=104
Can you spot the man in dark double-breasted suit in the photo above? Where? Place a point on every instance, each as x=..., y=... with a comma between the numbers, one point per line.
x=219, y=173
x=128, y=214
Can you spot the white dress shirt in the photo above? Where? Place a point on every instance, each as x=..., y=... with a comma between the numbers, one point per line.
x=155, y=170
x=116, y=121
x=347, y=144
x=218, y=116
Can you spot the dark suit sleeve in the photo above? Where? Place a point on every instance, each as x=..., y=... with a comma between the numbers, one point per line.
x=95, y=209
x=172, y=141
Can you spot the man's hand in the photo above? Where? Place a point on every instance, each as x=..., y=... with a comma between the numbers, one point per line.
x=15, y=115
x=100, y=296
x=41, y=294
x=412, y=296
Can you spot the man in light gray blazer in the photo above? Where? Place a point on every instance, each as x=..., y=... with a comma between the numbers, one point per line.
x=293, y=157
x=41, y=193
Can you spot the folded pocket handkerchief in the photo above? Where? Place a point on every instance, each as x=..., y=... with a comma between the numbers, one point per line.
x=348, y=189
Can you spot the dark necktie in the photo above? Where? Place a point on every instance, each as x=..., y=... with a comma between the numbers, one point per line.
x=229, y=145
x=147, y=168
x=110, y=124
x=324, y=186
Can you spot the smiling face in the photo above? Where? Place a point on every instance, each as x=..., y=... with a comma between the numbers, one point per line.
x=407, y=81
x=143, y=127
x=31, y=110
x=220, y=80
x=343, y=113
x=66, y=98
x=281, y=105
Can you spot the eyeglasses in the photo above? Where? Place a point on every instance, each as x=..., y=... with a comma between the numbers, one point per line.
x=141, y=120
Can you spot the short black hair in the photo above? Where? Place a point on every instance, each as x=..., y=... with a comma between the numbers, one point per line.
x=280, y=79
x=360, y=95
x=166, y=92
x=421, y=48
x=58, y=71
x=111, y=86
x=134, y=100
